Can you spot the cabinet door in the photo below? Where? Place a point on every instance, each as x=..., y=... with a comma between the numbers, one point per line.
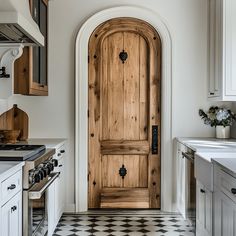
x=230, y=47
x=224, y=215
x=203, y=210
x=60, y=190
x=11, y=217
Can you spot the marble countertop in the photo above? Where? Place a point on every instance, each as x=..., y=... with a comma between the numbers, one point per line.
x=8, y=167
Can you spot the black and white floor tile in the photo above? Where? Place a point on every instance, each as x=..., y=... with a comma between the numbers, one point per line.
x=130, y=223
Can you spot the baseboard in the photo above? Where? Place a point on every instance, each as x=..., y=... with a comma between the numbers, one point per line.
x=69, y=208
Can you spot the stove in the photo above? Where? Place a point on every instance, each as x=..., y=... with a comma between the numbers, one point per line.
x=19, y=152
x=38, y=175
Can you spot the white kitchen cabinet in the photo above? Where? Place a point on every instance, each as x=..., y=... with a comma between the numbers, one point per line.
x=203, y=210
x=224, y=215
x=11, y=215
x=222, y=45
x=56, y=192
x=224, y=203
x=204, y=191
x=11, y=199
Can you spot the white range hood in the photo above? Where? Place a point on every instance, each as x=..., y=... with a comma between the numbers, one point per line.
x=17, y=24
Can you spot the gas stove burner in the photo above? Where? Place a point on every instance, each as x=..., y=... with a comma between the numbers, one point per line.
x=21, y=147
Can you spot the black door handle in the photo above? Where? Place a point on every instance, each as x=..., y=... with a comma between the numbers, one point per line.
x=155, y=139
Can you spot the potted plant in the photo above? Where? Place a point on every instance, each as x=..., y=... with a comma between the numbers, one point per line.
x=220, y=118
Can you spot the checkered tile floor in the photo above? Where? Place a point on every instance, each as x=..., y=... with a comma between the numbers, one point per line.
x=138, y=223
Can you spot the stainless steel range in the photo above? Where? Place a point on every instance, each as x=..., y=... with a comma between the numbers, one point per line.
x=38, y=175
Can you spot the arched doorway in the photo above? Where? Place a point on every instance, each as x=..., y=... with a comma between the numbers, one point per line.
x=81, y=101
x=124, y=115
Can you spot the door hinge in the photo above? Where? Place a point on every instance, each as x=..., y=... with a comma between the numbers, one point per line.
x=88, y=113
x=88, y=59
x=88, y=177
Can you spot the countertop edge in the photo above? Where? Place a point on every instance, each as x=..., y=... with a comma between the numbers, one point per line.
x=7, y=173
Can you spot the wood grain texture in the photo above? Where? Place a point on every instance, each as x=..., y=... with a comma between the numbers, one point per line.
x=124, y=104
x=16, y=119
x=124, y=198
x=125, y=147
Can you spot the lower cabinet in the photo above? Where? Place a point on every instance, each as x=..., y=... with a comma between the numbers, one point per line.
x=56, y=194
x=11, y=215
x=203, y=210
x=224, y=215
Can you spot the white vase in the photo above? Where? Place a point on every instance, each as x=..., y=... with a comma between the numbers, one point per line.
x=222, y=132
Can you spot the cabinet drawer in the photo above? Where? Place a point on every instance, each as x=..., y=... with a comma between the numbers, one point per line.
x=11, y=186
x=225, y=183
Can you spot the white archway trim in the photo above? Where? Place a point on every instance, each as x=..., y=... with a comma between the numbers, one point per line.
x=81, y=103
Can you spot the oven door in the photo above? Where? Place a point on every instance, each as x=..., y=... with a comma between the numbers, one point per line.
x=35, y=212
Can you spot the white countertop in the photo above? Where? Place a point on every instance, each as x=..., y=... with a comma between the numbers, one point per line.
x=48, y=142
x=8, y=167
x=209, y=156
x=227, y=164
x=220, y=151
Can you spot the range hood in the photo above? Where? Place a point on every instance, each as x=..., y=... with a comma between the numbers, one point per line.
x=17, y=24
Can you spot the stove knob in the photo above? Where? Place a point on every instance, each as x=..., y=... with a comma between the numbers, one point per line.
x=46, y=171
x=50, y=166
x=41, y=174
x=37, y=178
x=55, y=162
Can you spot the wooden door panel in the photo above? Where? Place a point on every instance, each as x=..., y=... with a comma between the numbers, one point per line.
x=124, y=198
x=131, y=87
x=124, y=104
x=136, y=171
x=110, y=171
x=115, y=88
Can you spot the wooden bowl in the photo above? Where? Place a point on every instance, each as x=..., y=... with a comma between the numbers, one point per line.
x=9, y=136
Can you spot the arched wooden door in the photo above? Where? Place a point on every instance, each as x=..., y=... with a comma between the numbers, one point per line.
x=124, y=115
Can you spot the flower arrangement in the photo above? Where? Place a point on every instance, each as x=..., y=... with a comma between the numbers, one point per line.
x=217, y=116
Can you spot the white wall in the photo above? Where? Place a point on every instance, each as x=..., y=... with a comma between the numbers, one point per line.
x=53, y=116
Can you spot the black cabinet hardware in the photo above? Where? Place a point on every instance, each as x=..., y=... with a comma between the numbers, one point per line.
x=13, y=208
x=233, y=190
x=122, y=171
x=202, y=191
x=13, y=186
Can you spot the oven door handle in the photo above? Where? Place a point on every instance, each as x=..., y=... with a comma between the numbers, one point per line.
x=38, y=194
x=188, y=156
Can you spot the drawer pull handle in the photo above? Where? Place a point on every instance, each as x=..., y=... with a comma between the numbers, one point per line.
x=60, y=165
x=233, y=190
x=13, y=186
x=59, y=154
x=62, y=151
x=13, y=208
x=202, y=191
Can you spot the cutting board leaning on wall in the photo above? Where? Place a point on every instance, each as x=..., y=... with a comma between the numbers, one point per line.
x=15, y=118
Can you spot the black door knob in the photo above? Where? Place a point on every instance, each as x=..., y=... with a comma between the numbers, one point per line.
x=233, y=190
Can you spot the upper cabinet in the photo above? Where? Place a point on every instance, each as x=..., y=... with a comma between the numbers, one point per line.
x=31, y=67
x=222, y=28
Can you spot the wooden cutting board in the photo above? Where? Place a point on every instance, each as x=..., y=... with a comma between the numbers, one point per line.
x=15, y=118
